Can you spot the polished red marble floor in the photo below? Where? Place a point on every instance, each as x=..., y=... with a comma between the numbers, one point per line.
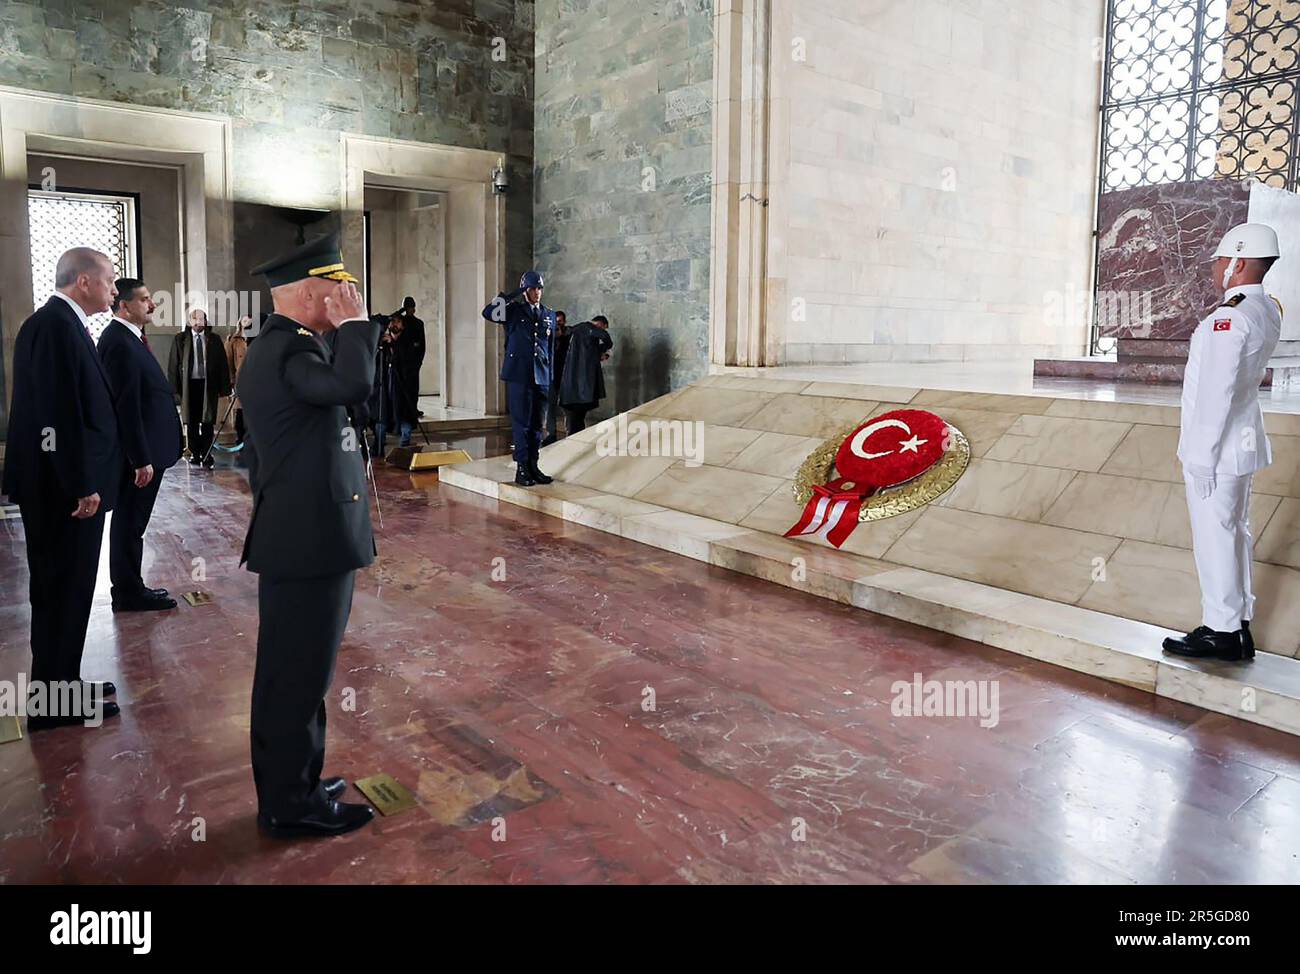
x=517, y=709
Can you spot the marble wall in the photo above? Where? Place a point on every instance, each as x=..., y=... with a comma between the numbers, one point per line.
x=940, y=178
x=623, y=168
x=1154, y=242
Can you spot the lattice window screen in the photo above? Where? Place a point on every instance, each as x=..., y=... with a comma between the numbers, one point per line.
x=58, y=221
x=1196, y=89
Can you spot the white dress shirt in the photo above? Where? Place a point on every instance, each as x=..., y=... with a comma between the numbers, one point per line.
x=81, y=315
x=134, y=330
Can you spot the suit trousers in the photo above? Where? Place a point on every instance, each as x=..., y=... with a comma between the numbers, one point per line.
x=527, y=402
x=1222, y=547
x=126, y=533
x=62, y=562
x=301, y=623
x=198, y=434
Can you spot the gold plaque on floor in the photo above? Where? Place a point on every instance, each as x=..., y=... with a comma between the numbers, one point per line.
x=413, y=458
x=11, y=729
x=198, y=598
x=386, y=794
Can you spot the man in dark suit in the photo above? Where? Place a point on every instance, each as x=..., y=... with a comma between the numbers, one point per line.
x=151, y=438
x=63, y=465
x=200, y=377
x=410, y=358
x=526, y=370
x=310, y=527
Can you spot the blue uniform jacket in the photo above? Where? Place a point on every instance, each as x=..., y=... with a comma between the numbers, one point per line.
x=530, y=341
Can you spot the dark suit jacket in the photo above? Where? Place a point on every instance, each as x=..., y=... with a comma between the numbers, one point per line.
x=311, y=510
x=146, y=411
x=63, y=441
x=530, y=342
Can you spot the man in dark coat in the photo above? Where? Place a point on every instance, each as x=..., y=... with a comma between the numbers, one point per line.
x=310, y=527
x=409, y=357
x=151, y=438
x=582, y=386
x=200, y=376
x=526, y=369
x=63, y=467
x=562, y=337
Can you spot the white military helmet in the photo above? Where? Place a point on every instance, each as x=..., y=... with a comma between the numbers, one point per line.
x=1249, y=240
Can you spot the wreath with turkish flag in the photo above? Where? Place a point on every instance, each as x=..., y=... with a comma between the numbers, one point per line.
x=886, y=465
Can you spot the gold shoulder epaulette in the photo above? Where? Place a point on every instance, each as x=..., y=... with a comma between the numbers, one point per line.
x=304, y=331
x=1233, y=301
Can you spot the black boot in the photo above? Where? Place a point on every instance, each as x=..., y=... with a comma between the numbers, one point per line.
x=1206, y=643
x=538, y=476
x=1247, y=641
x=524, y=476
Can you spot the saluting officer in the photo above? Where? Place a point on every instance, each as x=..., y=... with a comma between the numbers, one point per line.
x=1223, y=443
x=310, y=527
x=530, y=349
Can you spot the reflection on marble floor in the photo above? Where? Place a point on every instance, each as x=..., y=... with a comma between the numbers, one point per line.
x=1010, y=378
x=524, y=698
x=436, y=412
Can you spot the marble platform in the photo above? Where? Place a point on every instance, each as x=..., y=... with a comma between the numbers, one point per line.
x=1066, y=540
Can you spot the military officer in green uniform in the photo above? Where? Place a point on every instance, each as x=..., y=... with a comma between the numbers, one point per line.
x=310, y=526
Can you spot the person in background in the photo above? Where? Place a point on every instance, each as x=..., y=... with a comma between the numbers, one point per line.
x=553, y=399
x=200, y=377
x=582, y=386
x=410, y=358
x=151, y=438
x=388, y=405
x=236, y=349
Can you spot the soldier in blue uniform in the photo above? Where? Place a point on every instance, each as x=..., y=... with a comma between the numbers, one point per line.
x=530, y=349
x=310, y=528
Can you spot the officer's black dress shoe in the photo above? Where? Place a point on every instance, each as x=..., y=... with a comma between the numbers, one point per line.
x=1206, y=643
x=540, y=477
x=35, y=724
x=104, y=688
x=334, y=818
x=333, y=787
x=524, y=477
x=159, y=593
x=143, y=602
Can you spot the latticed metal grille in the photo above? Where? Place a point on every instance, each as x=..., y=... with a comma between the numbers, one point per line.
x=1196, y=89
x=58, y=221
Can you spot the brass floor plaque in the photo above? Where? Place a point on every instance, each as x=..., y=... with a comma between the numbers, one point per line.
x=11, y=729
x=198, y=598
x=386, y=794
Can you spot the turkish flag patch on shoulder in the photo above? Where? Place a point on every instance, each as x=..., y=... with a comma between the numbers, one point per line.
x=1223, y=324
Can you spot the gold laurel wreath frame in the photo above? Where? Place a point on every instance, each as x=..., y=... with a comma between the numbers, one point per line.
x=904, y=497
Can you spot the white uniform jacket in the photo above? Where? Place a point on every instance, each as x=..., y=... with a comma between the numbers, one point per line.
x=1222, y=425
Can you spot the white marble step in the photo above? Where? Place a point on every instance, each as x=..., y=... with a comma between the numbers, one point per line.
x=1266, y=691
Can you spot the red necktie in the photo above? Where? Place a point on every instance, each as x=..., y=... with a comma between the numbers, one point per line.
x=144, y=338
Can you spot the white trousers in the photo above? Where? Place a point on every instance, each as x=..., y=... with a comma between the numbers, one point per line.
x=1222, y=547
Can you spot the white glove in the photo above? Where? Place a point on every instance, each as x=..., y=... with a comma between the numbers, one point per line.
x=1203, y=481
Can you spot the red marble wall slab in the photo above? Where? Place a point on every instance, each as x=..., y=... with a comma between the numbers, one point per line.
x=1155, y=240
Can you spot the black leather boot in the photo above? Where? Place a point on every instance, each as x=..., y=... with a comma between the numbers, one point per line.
x=538, y=476
x=523, y=476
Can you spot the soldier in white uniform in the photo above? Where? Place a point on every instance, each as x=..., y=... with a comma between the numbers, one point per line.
x=1222, y=441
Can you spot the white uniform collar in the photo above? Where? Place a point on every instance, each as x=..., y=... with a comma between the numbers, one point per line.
x=1243, y=289
x=134, y=330
x=81, y=315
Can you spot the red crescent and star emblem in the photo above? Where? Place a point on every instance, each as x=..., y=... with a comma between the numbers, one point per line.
x=884, y=451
